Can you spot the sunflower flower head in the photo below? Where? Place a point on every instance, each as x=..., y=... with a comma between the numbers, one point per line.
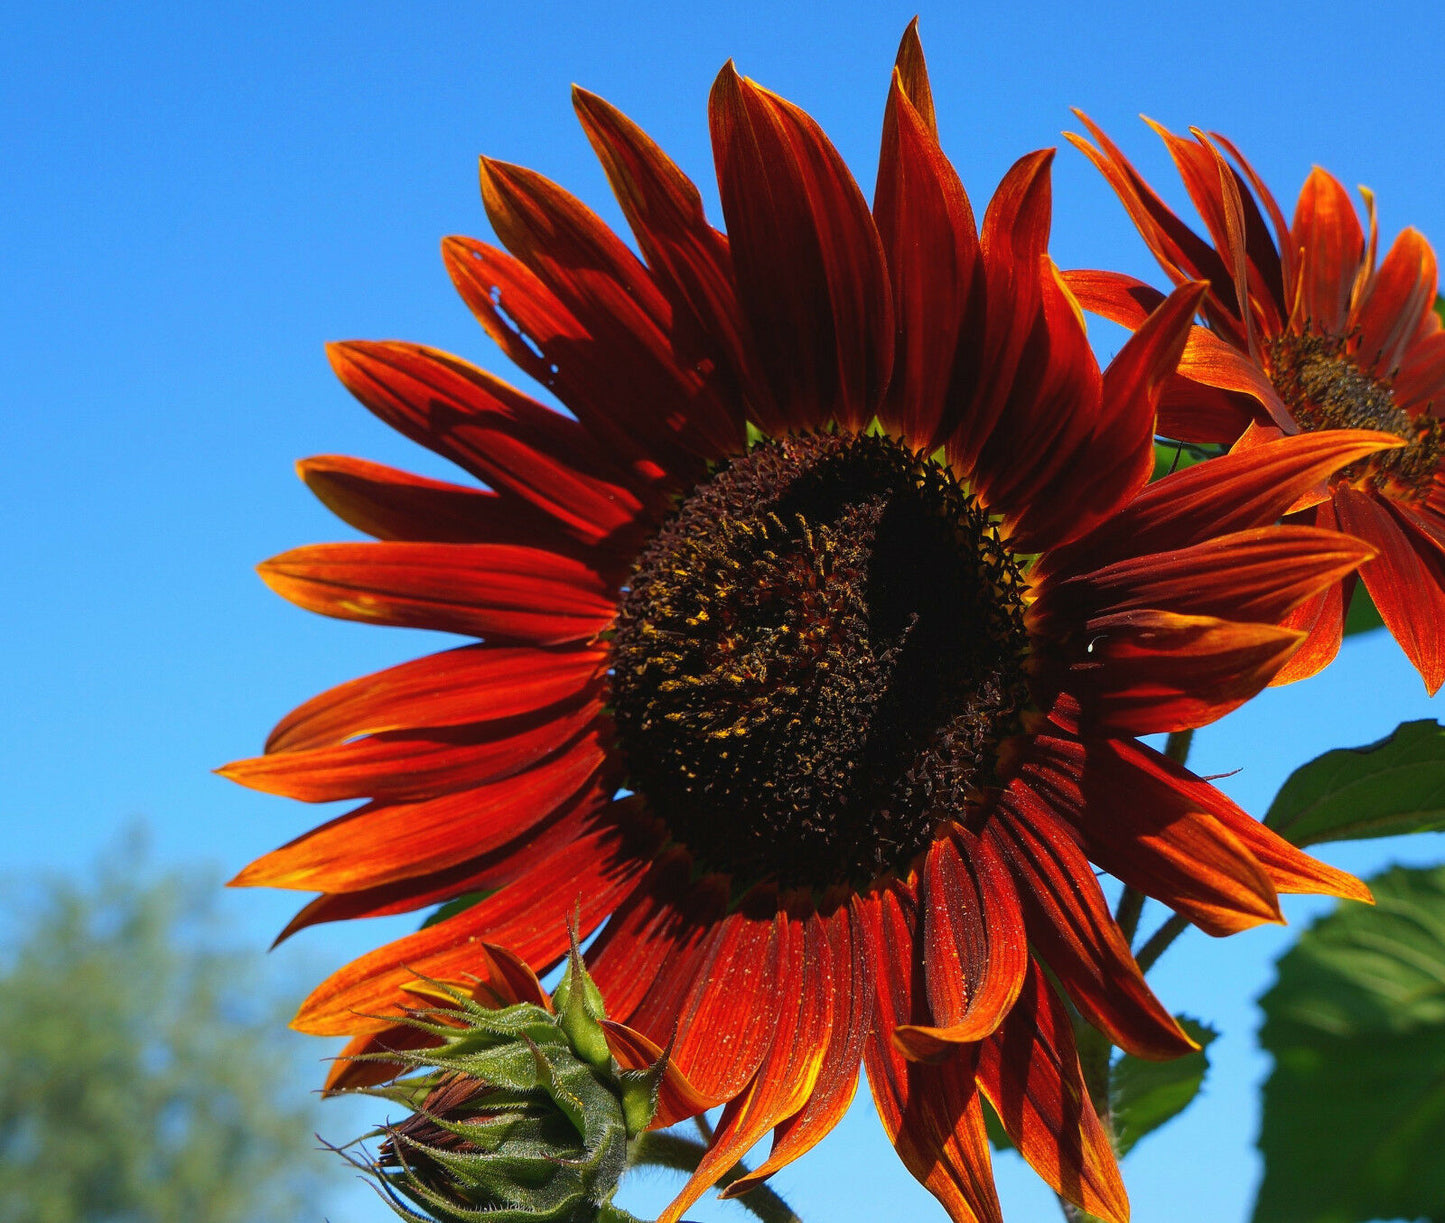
x=1305, y=332
x=810, y=650
x=521, y=1110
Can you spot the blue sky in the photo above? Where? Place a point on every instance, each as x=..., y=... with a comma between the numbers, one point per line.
x=195, y=198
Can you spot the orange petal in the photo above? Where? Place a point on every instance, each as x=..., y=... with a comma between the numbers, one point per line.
x=1145, y=672
x=470, y=684
x=587, y=877
x=530, y=841
x=383, y=842
x=406, y=766
x=1400, y=294
x=725, y=1024
x=1289, y=869
x=1142, y=829
x=665, y=915
x=677, y=1099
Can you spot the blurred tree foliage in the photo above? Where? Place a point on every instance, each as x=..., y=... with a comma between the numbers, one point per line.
x=140, y=1067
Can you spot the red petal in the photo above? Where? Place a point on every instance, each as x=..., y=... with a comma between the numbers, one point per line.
x=1207, y=359
x=390, y=504
x=785, y=1079
x=851, y=970
x=810, y=267
x=1017, y=274
x=932, y=1113
x=913, y=76
x=1111, y=464
x=470, y=684
x=1326, y=233
x=1182, y=253
x=1048, y=432
x=485, y=590
x=1030, y=1073
x=384, y=842
x=1406, y=580
x=608, y=347
x=726, y=1022
x=1420, y=384
x=1249, y=575
x=1145, y=672
x=493, y=431
x=689, y=258
x=586, y=878
x=1400, y=294
x=1070, y=926
x=652, y=934
x=1235, y=492
x=928, y=234
x=974, y=950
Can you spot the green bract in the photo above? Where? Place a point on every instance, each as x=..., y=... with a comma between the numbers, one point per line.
x=518, y=1114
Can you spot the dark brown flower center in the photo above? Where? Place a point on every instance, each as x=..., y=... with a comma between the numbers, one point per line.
x=1325, y=388
x=816, y=659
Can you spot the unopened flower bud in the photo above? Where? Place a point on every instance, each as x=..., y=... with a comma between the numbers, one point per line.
x=517, y=1114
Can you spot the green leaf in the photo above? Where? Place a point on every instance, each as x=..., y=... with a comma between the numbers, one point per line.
x=1363, y=616
x=1176, y=456
x=1384, y=789
x=1354, y=1110
x=1144, y=1095
x=1440, y=307
x=452, y=907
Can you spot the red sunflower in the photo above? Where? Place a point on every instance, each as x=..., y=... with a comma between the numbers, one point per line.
x=1304, y=333
x=812, y=650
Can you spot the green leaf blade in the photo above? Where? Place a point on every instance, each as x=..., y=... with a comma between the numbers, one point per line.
x=1144, y=1095
x=1384, y=789
x=1354, y=1110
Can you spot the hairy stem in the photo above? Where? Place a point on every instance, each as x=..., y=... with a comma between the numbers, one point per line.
x=664, y=1150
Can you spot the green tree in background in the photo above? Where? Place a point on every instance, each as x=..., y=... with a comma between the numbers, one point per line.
x=141, y=1068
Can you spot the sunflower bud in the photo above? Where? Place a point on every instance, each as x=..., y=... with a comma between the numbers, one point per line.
x=519, y=1113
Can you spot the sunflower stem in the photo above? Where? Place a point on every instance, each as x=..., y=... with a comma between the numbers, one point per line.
x=1160, y=940
x=664, y=1150
x=1074, y=1214
x=1131, y=904
x=1176, y=747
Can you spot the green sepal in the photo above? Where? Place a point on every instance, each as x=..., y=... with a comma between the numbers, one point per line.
x=580, y=1011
